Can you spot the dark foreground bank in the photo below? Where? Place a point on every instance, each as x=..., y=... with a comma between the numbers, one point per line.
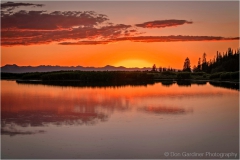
x=122, y=78
x=107, y=76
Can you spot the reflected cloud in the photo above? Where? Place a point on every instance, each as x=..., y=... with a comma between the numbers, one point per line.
x=38, y=119
x=11, y=120
x=164, y=110
x=13, y=132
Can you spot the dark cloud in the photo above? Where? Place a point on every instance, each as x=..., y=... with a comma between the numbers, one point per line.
x=7, y=8
x=29, y=37
x=78, y=28
x=163, y=23
x=39, y=20
x=40, y=27
x=12, y=5
x=149, y=39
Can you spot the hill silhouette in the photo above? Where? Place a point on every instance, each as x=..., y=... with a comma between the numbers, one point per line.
x=48, y=68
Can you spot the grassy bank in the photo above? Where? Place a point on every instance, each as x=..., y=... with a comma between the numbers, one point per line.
x=84, y=76
x=121, y=76
x=180, y=75
x=220, y=76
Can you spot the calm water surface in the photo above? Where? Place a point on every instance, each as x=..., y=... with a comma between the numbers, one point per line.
x=40, y=121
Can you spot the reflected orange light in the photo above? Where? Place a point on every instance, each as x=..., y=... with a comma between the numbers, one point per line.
x=47, y=97
x=42, y=104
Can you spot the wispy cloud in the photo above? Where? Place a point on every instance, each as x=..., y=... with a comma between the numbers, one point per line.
x=85, y=43
x=172, y=38
x=10, y=38
x=79, y=28
x=40, y=27
x=163, y=23
x=148, y=39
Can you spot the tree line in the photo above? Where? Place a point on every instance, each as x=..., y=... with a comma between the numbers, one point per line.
x=163, y=69
x=222, y=62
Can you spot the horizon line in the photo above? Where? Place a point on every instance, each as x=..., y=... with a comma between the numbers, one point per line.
x=82, y=66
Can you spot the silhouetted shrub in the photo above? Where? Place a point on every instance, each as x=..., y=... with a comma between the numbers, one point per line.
x=168, y=73
x=225, y=75
x=204, y=75
x=198, y=73
x=184, y=75
x=217, y=69
x=97, y=76
x=215, y=75
x=184, y=83
x=167, y=83
x=5, y=75
x=32, y=75
x=235, y=75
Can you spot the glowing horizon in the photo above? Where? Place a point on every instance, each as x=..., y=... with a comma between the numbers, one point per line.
x=100, y=33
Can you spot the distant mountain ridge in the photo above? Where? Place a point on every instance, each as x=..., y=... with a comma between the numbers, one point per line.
x=48, y=68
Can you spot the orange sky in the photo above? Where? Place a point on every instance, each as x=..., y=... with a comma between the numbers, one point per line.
x=140, y=34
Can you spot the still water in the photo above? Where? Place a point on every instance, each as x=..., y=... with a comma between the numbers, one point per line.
x=151, y=121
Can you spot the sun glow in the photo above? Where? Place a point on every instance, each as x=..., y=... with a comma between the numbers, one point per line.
x=129, y=63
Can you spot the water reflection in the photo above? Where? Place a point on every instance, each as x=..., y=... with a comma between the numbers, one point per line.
x=48, y=121
x=25, y=106
x=199, y=82
x=88, y=84
x=230, y=85
x=184, y=83
x=166, y=83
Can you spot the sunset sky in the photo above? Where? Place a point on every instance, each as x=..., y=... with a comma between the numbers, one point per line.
x=130, y=34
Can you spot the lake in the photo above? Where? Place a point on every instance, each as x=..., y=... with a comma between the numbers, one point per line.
x=149, y=121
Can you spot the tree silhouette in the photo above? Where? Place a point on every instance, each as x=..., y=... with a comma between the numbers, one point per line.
x=199, y=64
x=204, y=63
x=225, y=62
x=186, y=65
x=154, y=68
x=160, y=69
x=198, y=67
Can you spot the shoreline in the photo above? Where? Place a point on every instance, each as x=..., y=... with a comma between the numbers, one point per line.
x=155, y=80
